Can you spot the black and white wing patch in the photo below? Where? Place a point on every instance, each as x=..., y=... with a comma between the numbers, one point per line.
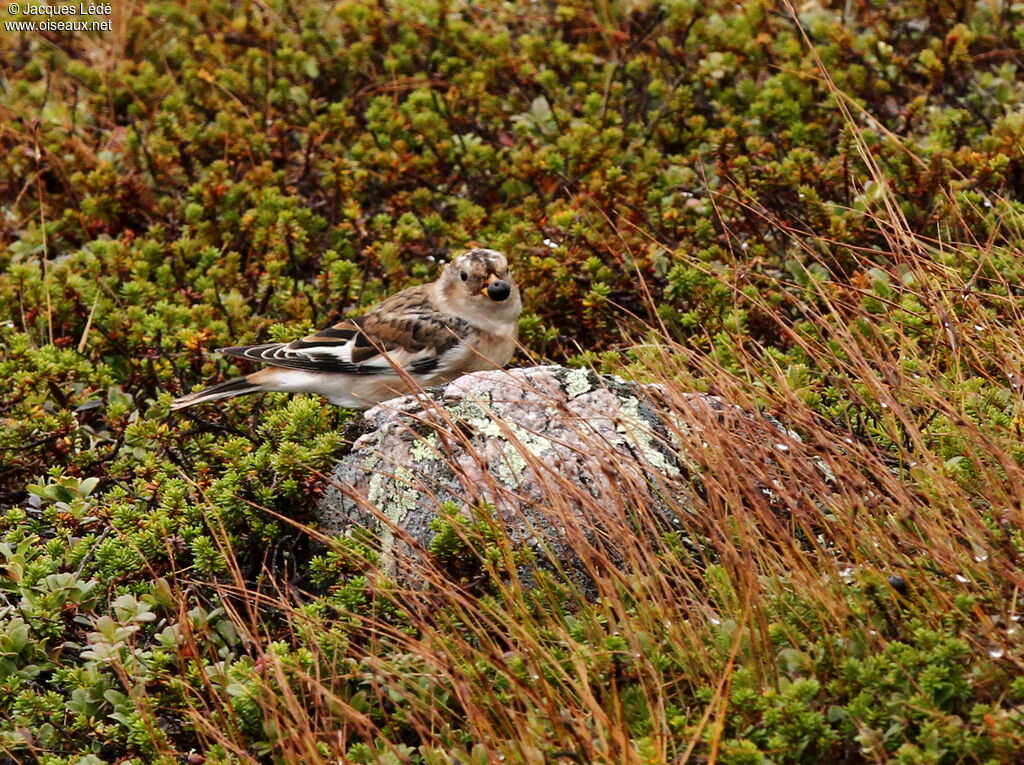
x=375, y=344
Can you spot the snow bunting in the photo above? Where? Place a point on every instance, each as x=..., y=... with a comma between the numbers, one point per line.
x=422, y=336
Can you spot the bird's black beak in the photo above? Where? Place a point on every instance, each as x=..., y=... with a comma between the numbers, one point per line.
x=498, y=290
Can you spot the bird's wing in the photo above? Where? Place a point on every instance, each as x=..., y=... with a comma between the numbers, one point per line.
x=404, y=332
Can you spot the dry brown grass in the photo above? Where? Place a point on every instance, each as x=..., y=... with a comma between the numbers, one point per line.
x=869, y=511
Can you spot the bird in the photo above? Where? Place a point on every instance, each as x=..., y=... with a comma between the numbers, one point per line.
x=425, y=335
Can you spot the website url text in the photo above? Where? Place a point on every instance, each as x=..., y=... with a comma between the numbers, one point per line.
x=58, y=26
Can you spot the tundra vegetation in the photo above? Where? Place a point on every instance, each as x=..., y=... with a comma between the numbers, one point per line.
x=813, y=210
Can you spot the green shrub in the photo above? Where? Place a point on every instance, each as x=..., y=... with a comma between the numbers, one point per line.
x=814, y=210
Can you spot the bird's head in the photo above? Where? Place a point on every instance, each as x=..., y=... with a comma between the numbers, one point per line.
x=478, y=286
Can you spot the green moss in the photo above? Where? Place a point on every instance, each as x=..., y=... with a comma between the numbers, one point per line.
x=241, y=174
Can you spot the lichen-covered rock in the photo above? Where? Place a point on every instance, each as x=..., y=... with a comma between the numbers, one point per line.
x=570, y=463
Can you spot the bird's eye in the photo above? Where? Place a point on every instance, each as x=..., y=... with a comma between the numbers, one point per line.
x=463, y=275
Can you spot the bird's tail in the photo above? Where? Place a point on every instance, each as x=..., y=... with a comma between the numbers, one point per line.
x=235, y=387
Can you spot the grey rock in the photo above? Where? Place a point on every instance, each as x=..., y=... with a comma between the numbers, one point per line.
x=569, y=463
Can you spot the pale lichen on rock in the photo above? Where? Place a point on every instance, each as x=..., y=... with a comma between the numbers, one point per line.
x=565, y=457
x=577, y=382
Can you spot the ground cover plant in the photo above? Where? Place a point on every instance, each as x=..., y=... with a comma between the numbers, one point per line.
x=813, y=210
